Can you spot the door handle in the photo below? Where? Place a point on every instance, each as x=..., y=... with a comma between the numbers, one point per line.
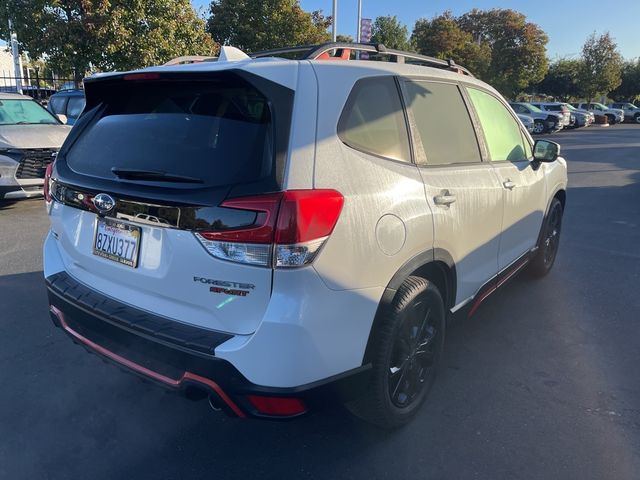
x=445, y=198
x=509, y=184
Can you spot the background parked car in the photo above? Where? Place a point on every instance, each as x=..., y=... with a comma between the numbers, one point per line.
x=69, y=103
x=590, y=115
x=29, y=137
x=631, y=112
x=544, y=122
x=614, y=115
x=527, y=121
x=559, y=109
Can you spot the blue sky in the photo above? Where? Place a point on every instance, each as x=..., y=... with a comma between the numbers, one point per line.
x=567, y=22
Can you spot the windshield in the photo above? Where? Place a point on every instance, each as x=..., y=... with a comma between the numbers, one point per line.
x=532, y=108
x=571, y=107
x=24, y=112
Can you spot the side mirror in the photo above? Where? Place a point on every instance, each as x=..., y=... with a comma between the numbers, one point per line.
x=546, y=151
x=62, y=118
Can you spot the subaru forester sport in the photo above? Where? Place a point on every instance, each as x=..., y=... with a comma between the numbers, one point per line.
x=318, y=222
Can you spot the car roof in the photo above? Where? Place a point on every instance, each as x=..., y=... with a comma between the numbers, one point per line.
x=363, y=68
x=14, y=96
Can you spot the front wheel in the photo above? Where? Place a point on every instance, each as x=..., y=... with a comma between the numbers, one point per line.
x=550, y=241
x=611, y=119
x=637, y=118
x=538, y=127
x=407, y=348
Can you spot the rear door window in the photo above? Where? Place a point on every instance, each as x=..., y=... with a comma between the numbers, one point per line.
x=501, y=130
x=442, y=121
x=373, y=119
x=216, y=132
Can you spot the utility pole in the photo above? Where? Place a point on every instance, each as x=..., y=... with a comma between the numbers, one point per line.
x=334, y=19
x=359, y=21
x=16, y=58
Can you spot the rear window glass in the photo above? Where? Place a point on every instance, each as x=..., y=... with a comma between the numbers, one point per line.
x=373, y=119
x=56, y=103
x=219, y=133
x=75, y=106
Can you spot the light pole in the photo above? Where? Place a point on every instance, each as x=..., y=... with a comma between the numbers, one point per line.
x=359, y=21
x=16, y=58
x=334, y=19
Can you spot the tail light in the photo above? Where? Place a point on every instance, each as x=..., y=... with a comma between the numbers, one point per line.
x=290, y=228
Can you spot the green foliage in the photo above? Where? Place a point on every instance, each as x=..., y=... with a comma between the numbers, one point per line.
x=80, y=35
x=344, y=38
x=390, y=32
x=562, y=80
x=601, y=66
x=442, y=37
x=629, y=89
x=518, y=48
x=498, y=45
x=254, y=25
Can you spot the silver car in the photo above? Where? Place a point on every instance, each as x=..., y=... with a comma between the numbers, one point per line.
x=30, y=137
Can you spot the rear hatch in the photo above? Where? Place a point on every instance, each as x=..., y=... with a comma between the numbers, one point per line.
x=141, y=186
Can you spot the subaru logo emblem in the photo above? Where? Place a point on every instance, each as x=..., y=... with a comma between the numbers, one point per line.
x=104, y=202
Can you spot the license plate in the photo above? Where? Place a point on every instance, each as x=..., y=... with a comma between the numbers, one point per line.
x=117, y=241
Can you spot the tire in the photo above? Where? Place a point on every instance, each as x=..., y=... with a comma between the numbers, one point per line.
x=538, y=127
x=549, y=241
x=611, y=119
x=637, y=118
x=407, y=350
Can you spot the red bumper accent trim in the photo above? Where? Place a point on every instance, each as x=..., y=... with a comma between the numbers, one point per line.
x=171, y=382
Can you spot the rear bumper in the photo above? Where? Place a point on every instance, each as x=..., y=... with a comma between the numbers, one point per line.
x=178, y=356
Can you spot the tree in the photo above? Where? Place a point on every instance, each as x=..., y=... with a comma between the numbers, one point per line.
x=518, y=48
x=629, y=89
x=344, y=38
x=254, y=25
x=80, y=35
x=562, y=79
x=390, y=32
x=442, y=37
x=601, y=70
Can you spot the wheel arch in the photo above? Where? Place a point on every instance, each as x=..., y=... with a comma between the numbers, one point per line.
x=435, y=265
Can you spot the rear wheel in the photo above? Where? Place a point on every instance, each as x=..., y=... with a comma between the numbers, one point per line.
x=407, y=351
x=550, y=241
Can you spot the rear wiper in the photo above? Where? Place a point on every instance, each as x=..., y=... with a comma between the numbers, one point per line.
x=152, y=175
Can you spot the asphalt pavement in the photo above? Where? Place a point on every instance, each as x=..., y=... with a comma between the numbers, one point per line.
x=542, y=383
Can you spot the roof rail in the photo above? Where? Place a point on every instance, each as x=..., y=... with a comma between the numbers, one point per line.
x=314, y=52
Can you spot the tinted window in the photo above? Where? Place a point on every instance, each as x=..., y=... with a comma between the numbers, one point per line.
x=554, y=108
x=220, y=133
x=75, y=106
x=443, y=123
x=373, y=119
x=501, y=130
x=57, y=104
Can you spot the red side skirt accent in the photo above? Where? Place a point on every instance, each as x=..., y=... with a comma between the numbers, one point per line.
x=502, y=279
x=171, y=382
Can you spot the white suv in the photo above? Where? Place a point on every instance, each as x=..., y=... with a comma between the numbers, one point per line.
x=318, y=223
